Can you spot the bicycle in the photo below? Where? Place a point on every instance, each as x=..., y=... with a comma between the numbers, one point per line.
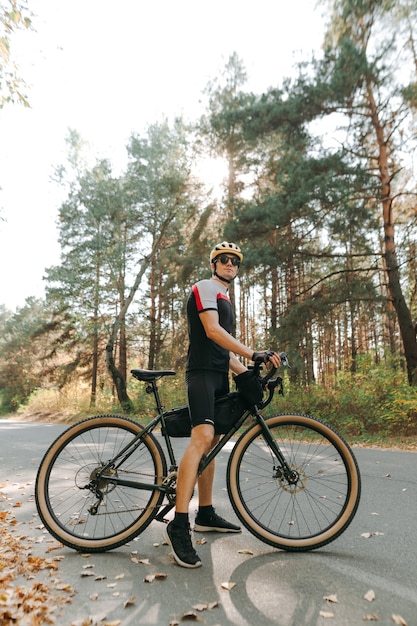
x=293, y=481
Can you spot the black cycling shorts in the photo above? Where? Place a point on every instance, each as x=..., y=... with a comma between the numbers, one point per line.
x=203, y=386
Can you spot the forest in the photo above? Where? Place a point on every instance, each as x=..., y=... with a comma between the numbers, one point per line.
x=320, y=194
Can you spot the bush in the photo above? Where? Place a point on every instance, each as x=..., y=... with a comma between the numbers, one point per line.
x=73, y=400
x=400, y=412
x=374, y=400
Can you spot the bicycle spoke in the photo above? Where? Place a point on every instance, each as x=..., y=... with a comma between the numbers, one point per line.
x=79, y=502
x=312, y=506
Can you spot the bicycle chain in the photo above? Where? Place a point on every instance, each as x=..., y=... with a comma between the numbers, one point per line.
x=170, y=478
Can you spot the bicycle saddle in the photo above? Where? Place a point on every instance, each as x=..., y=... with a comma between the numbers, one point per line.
x=149, y=375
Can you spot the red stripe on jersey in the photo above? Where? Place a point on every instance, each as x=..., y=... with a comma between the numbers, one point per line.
x=223, y=296
x=197, y=298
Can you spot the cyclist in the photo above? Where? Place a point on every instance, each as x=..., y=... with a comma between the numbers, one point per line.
x=212, y=352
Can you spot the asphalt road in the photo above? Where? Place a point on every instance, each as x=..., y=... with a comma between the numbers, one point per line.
x=377, y=553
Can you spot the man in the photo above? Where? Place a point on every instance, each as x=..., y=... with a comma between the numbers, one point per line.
x=212, y=352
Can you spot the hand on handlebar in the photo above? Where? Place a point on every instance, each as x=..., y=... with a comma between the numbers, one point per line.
x=266, y=356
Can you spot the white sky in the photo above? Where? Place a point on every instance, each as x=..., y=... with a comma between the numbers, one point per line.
x=108, y=69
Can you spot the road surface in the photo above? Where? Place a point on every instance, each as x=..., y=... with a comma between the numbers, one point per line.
x=368, y=574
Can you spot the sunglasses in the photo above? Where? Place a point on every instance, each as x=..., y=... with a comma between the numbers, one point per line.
x=224, y=259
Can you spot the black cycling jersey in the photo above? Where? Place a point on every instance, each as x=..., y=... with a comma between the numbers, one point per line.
x=203, y=353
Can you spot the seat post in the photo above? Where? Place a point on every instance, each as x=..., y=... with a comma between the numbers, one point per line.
x=155, y=392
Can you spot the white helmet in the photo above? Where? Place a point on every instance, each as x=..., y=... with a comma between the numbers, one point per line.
x=226, y=248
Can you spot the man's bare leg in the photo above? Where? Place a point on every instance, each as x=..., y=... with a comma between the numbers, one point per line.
x=200, y=444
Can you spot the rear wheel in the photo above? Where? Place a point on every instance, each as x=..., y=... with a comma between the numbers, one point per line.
x=313, y=506
x=81, y=507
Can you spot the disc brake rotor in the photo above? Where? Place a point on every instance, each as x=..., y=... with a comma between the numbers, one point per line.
x=294, y=485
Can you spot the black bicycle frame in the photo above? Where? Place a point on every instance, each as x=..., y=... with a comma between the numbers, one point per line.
x=206, y=459
x=130, y=448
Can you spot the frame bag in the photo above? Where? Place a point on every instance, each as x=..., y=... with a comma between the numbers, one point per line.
x=178, y=422
x=228, y=409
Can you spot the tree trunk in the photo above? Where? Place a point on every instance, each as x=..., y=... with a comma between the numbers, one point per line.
x=123, y=348
x=118, y=379
x=152, y=316
x=94, y=372
x=407, y=329
x=122, y=329
x=159, y=318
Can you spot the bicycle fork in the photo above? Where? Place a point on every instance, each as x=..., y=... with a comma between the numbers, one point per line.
x=282, y=469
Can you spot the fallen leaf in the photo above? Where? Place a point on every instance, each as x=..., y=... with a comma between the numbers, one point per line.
x=205, y=607
x=191, y=617
x=370, y=618
x=142, y=561
x=151, y=577
x=213, y=605
x=63, y=587
x=26, y=604
x=94, y=596
x=331, y=598
x=370, y=595
x=326, y=614
x=119, y=576
x=201, y=542
x=129, y=602
x=228, y=586
x=57, y=546
x=397, y=619
x=245, y=552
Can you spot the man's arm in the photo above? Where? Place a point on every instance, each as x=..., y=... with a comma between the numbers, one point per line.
x=235, y=365
x=215, y=332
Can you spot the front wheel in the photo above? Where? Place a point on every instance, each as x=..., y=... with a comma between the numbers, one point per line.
x=308, y=508
x=82, y=507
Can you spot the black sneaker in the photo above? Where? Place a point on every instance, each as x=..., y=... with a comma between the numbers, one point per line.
x=214, y=523
x=182, y=548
